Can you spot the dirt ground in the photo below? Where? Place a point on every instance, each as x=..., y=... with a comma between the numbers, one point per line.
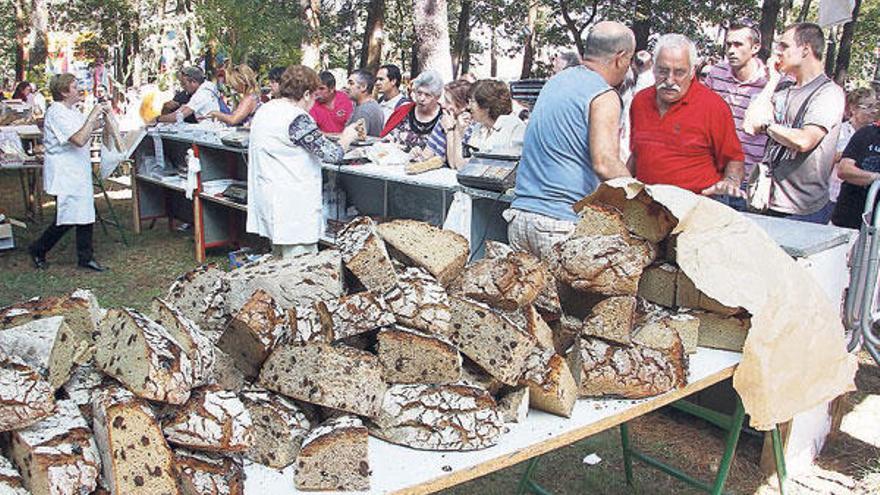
x=849, y=463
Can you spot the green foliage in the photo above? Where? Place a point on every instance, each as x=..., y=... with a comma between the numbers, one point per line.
x=263, y=33
x=866, y=40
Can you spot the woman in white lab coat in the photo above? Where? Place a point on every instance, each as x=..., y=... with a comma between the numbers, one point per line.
x=67, y=172
x=284, y=166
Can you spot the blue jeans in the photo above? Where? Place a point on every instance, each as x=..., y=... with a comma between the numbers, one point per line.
x=738, y=204
x=822, y=216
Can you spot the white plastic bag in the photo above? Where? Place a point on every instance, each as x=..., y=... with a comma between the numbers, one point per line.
x=459, y=217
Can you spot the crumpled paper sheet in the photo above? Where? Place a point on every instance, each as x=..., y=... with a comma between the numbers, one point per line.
x=795, y=355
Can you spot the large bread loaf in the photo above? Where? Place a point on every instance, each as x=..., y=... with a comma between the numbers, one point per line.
x=364, y=254
x=198, y=295
x=442, y=252
x=294, y=282
x=633, y=372
x=643, y=216
x=257, y=328
x=57, y=455
x=213, y=420
x=332, y=376
x=612, y=319
x=144, y=357
x=279, y=426
x=25, y=397
x=48, y=345
x=135, y=457
x=489, y=338
x=439, y=417
x=419, y=301
x=199, y=473
x=410, y=356
x=334, y=456
x=509, y=283
x=607, y=265
x=194, y=343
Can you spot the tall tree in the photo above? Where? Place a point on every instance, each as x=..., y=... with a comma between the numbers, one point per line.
x=769, y=15
x=461, y=49
x=39, y=42
x=371, y=49
x=529, y=42
x=311, y=42
x=432, y=36
x=841, y=68
x=576, y=27
x=22, y=28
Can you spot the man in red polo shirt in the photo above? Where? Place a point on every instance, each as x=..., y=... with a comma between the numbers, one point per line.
x=683, y=133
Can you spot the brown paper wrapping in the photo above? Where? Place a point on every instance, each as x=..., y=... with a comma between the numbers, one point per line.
x=795, y=355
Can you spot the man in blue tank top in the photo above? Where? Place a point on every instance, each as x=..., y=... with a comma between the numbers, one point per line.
x=572, y=142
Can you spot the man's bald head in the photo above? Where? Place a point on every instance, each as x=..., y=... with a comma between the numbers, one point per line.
x=607, y=39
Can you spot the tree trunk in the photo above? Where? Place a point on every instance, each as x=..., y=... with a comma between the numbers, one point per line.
x=529, y=53
x=493, y=54
x=462, y=39
x=831, y=51
x=432, y=36
x=311, y=43
x=39, y=45
x=841, y=69
x=22, y=28
x=805, y=9
x=769, y=14
x=641, y=24
x=371, y=49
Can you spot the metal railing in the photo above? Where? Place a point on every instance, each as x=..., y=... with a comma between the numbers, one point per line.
x=860, y=316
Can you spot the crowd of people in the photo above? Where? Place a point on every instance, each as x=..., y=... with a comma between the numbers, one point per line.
x=663, y=117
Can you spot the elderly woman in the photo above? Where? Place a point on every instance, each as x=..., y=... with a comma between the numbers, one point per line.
x=243, y=81
x=284, y=166
x=494, y=129
x=67, y=171
x=412, y=123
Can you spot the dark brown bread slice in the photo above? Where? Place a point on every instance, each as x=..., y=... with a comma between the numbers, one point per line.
x=134, y=454
x=199, y=473
x=410, y=356
x=257, y=328
x=334, y=456
x=338, y=377
x=612, y=319
x=600, y=219
x=364, y=254
x=442, y=252
x=642, y=215
x=279, y=427
x=490, y=339
x=439, y=417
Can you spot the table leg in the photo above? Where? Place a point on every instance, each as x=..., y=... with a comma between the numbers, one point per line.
x=730, y=448
x=627, y=453
x=780, y=459
x=527, y=485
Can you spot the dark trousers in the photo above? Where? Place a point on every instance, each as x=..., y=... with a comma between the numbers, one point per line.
x=55, y=232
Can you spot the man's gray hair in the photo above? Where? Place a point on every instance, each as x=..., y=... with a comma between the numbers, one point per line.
x=606, y=39
x=680, y=41
x=430, y=80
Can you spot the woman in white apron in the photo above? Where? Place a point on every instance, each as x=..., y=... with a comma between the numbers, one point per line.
x=284, y=166
x=67, y=172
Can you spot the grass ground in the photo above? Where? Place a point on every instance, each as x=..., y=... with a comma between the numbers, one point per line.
x=850, y=462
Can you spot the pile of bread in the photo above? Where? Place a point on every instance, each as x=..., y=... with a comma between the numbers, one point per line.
x=293, y=363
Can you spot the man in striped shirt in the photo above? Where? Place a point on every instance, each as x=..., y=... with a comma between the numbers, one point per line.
x=738, y=81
